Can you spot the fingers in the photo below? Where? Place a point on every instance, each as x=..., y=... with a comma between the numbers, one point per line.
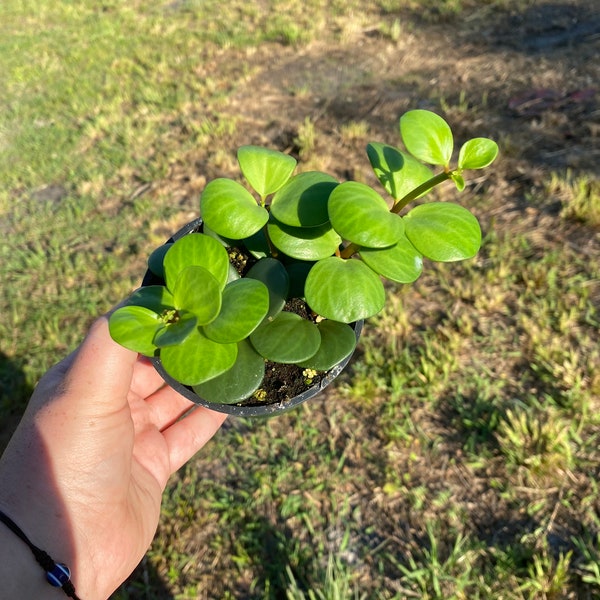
x=185, y=437
x=146, y=379
x=165, y=406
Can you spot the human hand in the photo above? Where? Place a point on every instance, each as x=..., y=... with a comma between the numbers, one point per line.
x=84, y=473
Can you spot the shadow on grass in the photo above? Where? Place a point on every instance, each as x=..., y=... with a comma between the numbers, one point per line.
x=272, y=547
x=145, y=583
x=14, y=395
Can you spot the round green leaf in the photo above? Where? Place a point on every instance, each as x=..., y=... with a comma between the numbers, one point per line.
x=265, y=170
x=477, y=153
x=224, y=241
x=156, y=258
x=359, y=214
x=304, y=243
x=302, y=202
x=443, y=231
x=245, y=305
x=196, y=249
x=344, y=290
x=198, y=292
x=288, y=338
x=401, y=262
x=177, y=332
x=230, y=210
x=197, y=359
x=273, y=274
x=135, y=327
x=398, y=172
x=157, y=298
x=427, y=137
x=239, y=382
x=337, y=342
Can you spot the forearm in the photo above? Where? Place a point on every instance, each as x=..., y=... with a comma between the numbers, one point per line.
x=20, y=574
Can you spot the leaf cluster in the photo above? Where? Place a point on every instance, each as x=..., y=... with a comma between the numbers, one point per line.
x=311, y=237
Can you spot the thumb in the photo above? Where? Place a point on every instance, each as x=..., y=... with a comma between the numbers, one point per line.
x=95, y=379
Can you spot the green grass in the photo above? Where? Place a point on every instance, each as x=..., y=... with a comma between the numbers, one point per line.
x=457, y=456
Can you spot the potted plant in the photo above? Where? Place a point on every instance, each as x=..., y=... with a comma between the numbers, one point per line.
x=282, y=277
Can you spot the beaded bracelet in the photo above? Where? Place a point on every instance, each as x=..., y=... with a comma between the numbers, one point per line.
x=57, y=574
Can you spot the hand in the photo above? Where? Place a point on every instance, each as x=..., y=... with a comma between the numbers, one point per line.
x=84, y=473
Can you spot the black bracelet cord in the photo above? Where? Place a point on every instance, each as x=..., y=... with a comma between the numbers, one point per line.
x=57, y=574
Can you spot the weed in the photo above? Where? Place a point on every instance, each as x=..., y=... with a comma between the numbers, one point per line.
x=547, y=578
x=335, y=584
x=588, y=565
x=355, y=130
x=539, y=442
x=305, y=139
x=437, y=573
x=578, y=195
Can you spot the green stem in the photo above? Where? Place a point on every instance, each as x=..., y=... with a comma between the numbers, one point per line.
x=421, y=189
x=352, y=248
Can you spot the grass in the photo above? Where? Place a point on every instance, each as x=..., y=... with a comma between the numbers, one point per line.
x=457, y=456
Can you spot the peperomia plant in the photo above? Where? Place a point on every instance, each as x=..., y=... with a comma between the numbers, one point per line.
x=223, y=306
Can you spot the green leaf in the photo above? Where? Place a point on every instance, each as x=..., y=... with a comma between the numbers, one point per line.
x=157, y=298
x=224, y=241
x=359, y=214
x=302, y=202
x=288, y=338
x=443, y=231
x=459, y=180
x=337, y=342
x=230, y=210
x=233, y=274
x=427, y=137
x=245, y=305
x=477, y=153
x=401, y=262
x=273, y=274
x=398, y=172
x=156, y=258
x=265, y=170
x=344, y=290
x=135, y=327
x=198, y=292
x=258, y=245
x=239, y=382
x=199, y=250
x=197, y=359
x=304, y=243
x=177, y=332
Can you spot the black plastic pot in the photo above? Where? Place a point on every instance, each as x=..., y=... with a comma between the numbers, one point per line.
x=241, y=410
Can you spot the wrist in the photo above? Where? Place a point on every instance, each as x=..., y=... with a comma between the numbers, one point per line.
x=20, y=574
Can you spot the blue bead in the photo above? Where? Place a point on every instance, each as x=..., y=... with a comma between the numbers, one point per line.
x=59, y=575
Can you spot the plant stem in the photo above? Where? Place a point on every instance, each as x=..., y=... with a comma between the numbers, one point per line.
x=352, y=248
x=349, y=250
x=421, y=189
